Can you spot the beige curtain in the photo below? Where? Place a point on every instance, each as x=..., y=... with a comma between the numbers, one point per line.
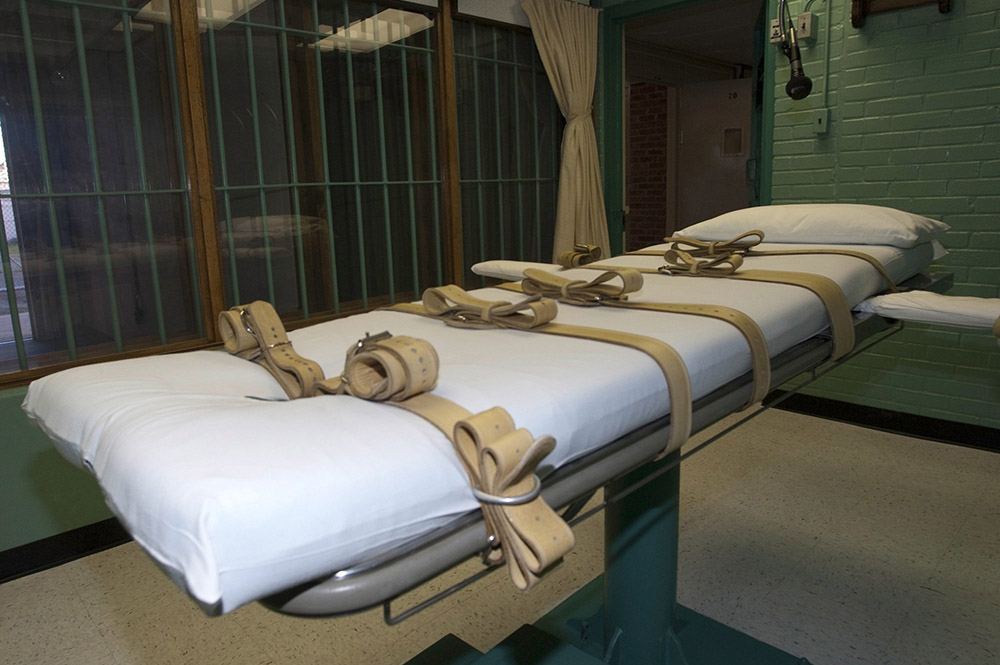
x=566, y=36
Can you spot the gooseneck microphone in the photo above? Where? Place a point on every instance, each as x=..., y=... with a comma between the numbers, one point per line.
x=799, y=85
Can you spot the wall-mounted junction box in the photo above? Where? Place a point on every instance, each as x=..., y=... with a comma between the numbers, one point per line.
x=775, y=34
x=820, y=122
x=805, y=28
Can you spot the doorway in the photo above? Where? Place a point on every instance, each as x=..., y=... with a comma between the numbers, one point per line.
x=692, y=94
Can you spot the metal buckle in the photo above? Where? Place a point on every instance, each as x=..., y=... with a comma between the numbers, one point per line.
x=527, y=497
x=243, y=318
x=373, y=339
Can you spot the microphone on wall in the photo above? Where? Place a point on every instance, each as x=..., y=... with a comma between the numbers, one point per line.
x=799, y=85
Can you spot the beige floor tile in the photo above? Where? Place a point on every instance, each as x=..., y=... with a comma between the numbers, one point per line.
x=972, y=561
x=145, y=620
x=42, y=620
x=731, y=558
x=948, y=625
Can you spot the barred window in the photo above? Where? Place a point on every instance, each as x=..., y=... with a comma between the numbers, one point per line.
x=163, y=159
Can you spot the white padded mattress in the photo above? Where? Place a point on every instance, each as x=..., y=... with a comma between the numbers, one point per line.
x=239, y=497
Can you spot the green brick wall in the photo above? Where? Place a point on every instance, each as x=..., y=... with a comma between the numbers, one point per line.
x=914, y=103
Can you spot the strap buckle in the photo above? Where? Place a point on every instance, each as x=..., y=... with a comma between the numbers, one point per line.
x=243, y=318
x=369, y=338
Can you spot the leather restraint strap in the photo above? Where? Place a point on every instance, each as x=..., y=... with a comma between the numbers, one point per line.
x=255, y=332
x=703, y=248
x=745, y=244
x=499, y=458
x=827, y=290
x=579, y=255
x=456, y=307
x=602, y=291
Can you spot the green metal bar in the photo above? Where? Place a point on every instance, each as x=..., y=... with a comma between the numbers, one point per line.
x=359, y=216
x=185, y=194
x=317, y=56
x=92, y=5
x=258, y=152
x=414, y=258
x=293, y=157
x=15, y=320
x=479, y=159
x=434, y=170
x=223, y=169
x=765, y=168
x=91, y=193
x=387, y=216
x=640, y=560
x=8, y=280
x=499, y=143
x=36, y=101
x=517, y=163
x=613, y=134
x=144, y=179
x=491, y=59
x=554, y=115
x=538, y=164
x=490, y=181
x=338, y=183
x=95, y=173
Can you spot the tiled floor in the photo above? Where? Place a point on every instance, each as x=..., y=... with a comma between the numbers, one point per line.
x=835, y=543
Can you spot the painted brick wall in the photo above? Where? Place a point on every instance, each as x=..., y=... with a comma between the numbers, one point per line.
x=647, y=192
x=914, y=103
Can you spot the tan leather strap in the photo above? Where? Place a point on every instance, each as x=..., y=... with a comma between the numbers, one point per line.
x=702, y=248
x=745, y=245
x=611, y=285
x=599, y=292
x=579, y=255
x=721, y=265
x=384, y=367
x=500, y=460
x=255, y=332
x=875, y=263
x=455, y=307
x=827, y=290
x=838, y=310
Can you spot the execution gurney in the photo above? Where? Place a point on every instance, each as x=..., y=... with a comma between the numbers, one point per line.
x=333, y=504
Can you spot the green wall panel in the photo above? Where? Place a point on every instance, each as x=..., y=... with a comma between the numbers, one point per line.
x=41, y=494
x=914, y=102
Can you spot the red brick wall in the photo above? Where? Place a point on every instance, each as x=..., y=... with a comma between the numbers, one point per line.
x=647, y=193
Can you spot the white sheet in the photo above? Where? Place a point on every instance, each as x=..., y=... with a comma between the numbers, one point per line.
x=240, y=497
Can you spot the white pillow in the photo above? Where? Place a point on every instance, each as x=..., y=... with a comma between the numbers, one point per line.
x=823, y=223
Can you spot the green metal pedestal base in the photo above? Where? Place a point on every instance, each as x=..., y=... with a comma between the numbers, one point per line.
x=630, y=615
x=692, y=639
